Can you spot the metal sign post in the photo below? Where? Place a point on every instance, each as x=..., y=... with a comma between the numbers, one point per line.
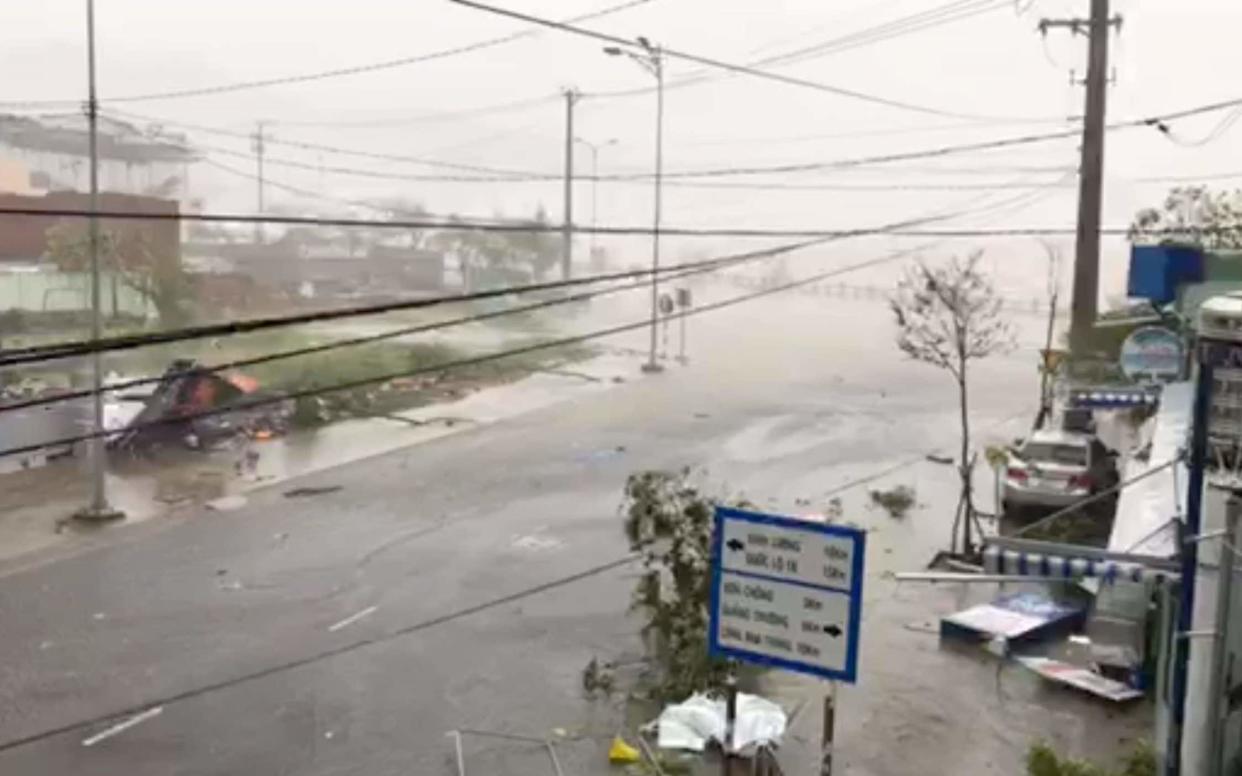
x=726, y=746
x=830, y=718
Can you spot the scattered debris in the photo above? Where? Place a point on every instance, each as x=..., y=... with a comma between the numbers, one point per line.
x=621, y=753
x=312, y=490
x=922, y=627
x=226, y=503
x=198, y=408
x=1081, y=678
x=1017, y=618
x=699, y=719
x=896, y=501
x=597, y=677
x=570, y=373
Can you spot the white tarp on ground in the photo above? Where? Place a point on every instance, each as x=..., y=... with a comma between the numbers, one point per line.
x=1146, y=510
x=699, y=719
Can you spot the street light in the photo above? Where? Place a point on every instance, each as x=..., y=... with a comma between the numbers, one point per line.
x=652, y=60
x=98, y=508
x=612, y=141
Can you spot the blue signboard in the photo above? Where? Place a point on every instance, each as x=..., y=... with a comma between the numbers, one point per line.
x=787, y=593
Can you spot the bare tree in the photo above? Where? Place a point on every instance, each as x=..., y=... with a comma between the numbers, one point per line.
x=948, y=316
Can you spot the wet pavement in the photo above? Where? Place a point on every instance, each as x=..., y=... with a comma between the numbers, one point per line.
x=344, y=631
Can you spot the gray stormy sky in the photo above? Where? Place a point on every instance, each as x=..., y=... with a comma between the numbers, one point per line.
x=1169, y=55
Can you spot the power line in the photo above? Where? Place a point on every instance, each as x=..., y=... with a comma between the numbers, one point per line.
x=506, y=177
x=510, y=106
x=876, y=34
x=740, y=69
x=675, y=272
x=329, y=653
x=307, y=146
x=343, y=71
x=933, y=17
x=947, y=150
x=458, y=363
x=840, y=164
x=16, y=356
x=549, y=228
x=679, y=272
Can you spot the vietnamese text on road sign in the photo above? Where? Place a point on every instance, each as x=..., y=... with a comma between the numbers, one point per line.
x=787, y=593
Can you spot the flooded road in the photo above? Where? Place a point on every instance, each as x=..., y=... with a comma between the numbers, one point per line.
x=349, y=629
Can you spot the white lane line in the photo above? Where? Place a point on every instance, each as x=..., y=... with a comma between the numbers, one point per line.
x=351, y=619
x=137, y=719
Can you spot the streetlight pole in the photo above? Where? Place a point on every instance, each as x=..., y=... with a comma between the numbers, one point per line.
x=594, y=148
x=98, y=508
x=653, y=62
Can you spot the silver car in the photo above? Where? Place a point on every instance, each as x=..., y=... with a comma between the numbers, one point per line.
x=1054, y=469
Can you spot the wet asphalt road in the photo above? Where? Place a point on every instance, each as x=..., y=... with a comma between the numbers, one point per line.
x=238, y=625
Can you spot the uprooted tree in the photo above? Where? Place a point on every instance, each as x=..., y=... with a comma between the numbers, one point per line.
x=668, y=522
x=949, y=315
x=132, y=255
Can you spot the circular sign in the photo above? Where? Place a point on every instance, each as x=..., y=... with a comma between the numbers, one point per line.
x=1152, y=352
x=666, y=304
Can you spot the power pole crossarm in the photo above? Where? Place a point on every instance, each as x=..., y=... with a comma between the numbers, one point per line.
x=1091, y=171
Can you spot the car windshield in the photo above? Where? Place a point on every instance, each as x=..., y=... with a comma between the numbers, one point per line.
x=1048, y=452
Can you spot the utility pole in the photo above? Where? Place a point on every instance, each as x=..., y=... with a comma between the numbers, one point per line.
x=259, y=146
x=98, y=509
x=595, y=182
x=567, y=238
x=1091, y=171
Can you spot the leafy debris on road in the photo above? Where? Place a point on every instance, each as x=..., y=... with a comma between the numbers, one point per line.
x=896, y=501
x=312, y=490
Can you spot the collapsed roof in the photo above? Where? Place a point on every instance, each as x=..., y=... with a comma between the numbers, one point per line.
x=118, y=140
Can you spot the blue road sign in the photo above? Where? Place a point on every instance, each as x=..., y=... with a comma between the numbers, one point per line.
x=787, y=593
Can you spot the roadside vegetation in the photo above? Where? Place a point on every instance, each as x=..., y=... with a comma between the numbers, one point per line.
x=1042, y=760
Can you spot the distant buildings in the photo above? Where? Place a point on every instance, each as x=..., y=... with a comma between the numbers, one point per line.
x=40, y=154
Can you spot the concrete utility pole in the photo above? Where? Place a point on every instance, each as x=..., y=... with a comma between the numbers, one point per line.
x=1091, y=171
x=98, y=508
x=259, y=146
x=567, y=247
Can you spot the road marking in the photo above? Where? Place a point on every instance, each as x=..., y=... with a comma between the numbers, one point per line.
x=123, y=726
x=352, y=619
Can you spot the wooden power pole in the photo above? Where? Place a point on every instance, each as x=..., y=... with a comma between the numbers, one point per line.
x=1091, y=171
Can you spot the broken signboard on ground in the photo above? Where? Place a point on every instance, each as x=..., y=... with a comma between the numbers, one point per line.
x=1014, y=619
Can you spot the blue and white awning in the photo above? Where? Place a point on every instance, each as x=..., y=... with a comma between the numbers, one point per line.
x=1112, y=398
x=1050, y=566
